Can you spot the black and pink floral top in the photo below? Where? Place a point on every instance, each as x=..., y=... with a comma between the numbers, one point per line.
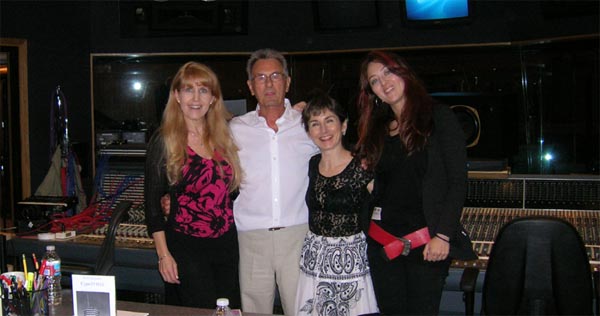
x=203, y=207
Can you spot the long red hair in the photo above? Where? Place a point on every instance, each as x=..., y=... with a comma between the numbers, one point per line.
x=415, y=122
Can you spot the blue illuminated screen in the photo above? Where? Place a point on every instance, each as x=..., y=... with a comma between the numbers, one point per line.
x=436, y=9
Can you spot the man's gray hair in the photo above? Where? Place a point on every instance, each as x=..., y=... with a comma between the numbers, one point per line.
x=265, y=53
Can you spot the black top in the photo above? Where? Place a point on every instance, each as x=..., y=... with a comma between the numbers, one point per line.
x=156, y=184
x=336, y=205
x=400, y=181
x=428, y=187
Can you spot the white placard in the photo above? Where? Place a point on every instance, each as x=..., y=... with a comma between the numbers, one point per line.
x=94, y=295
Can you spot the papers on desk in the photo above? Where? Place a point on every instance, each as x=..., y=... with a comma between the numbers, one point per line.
x=126, y=313
x=94, y=295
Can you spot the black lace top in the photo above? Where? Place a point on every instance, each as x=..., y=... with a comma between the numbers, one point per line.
x=336, y=204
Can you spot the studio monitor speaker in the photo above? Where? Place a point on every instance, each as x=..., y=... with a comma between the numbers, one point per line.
x=469, y=120
x=490, y=122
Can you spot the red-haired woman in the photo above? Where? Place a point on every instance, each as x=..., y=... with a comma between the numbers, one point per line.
x=417, y=149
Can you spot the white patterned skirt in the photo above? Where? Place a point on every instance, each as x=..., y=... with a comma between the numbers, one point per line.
x=334, y=277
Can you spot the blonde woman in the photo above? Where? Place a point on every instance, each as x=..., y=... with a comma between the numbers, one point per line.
x=194, y=160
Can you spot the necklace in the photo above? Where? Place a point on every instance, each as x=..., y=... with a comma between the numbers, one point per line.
x=197, y=137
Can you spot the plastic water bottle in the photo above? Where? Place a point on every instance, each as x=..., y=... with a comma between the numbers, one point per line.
x=222, y=308
x=52, y=275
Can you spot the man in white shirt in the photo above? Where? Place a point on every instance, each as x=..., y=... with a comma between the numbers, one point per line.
x=270, y=212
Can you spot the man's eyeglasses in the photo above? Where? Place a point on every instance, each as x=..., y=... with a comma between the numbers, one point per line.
x=275, y=77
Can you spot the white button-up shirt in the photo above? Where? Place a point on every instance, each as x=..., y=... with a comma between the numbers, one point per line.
x=275, y=166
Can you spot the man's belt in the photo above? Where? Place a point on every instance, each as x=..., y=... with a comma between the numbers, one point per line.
x=394, y=246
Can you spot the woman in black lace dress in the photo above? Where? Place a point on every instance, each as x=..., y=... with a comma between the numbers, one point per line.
x=334, y=271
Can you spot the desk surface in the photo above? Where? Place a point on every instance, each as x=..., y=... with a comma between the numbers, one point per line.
x=66, y=308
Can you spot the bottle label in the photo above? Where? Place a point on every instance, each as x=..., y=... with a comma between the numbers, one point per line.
x=56, y=268
x=52, y=269
x=49, y=270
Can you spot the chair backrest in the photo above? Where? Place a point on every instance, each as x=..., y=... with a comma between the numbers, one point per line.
x=106, y=257
x=538, y=266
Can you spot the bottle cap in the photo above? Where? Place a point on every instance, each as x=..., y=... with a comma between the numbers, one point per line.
x=222, y=302
x=50, y=248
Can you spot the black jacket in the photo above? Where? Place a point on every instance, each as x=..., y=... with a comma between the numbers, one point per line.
x=445, y=182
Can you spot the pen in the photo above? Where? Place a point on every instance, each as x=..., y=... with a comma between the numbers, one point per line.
x=43, y=267
x=6, y=280
x=30, y=280
x=38, y=282
x=35, y=262
x=24, y=264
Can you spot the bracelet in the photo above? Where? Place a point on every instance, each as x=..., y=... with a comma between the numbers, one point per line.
x=161, y=257
x=443, y=238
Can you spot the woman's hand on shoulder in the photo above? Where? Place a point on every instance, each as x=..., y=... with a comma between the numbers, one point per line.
x=299, y=106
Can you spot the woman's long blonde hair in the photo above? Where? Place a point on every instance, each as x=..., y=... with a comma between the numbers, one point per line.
x=216, y=132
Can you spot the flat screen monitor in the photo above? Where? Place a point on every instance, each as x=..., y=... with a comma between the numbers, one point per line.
x=436, y=12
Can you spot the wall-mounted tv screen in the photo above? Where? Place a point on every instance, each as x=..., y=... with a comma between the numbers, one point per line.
x=435, y=12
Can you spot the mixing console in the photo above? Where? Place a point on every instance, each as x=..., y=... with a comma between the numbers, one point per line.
x=490, y=204
x=132, y=233
x=128, y=236
x=483, y=225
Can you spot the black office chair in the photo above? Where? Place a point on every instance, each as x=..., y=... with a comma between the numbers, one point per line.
x=106, y=255
x=538, y=266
